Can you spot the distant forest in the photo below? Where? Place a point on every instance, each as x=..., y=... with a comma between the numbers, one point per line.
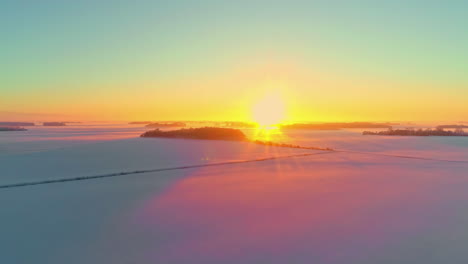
x=451, y=126
x=240, y=124
x=337, y=126
x=16, y=124
x=140, y=122
x=172, y=124
x=420, y=132
x=12, y=129
x=54, y=124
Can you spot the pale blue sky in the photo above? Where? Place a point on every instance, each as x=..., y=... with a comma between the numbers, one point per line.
x=76, y=44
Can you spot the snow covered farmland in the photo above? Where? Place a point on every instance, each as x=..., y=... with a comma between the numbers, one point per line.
x=258, y=204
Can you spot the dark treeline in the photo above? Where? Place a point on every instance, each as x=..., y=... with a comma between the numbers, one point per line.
x=172, y=124
x=337, y=126
x=140, y=123
x=53, y=124
x=240, y=124
x=15, y=124
x=218, y=133
x=420, y=132
x=12, y=129
x=283, y=145
x=212, y=133
x=451, y=126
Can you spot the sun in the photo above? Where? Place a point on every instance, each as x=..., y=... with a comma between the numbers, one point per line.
x=269, y=111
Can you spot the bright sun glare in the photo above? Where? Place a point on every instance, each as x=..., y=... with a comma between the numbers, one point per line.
x=269, y=111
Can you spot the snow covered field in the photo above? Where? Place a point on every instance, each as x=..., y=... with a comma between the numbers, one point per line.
x=337, y=207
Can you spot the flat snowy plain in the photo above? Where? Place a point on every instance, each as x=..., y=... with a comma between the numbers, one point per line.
x=389, y=200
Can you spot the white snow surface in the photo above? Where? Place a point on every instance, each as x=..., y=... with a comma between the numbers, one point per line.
x=323, y=208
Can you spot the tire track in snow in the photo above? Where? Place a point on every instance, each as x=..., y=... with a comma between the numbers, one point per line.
x=80, y=178
x=126, y=173
x=400, y=156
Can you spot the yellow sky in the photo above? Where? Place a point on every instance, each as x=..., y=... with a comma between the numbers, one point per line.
x=307, y=95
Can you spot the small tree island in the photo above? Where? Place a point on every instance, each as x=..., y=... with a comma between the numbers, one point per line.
x=210, y=133
x=420, y=132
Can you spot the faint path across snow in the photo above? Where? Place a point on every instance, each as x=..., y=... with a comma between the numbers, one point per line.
x=28, y=183
x=80, y=178
x=400, y=156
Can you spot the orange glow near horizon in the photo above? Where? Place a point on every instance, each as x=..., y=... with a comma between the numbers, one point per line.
x=300, y=94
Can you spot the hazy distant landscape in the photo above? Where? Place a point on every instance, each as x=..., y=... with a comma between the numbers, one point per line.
x=440, y=132
x=336, y=126
x=53, y=124
x=233, y=132
x=168, y=178
x=17, y=124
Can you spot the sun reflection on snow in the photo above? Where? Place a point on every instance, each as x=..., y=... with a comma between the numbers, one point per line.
x=267, y=133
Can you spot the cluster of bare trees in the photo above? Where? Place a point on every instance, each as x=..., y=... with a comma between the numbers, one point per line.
x=439, y=131
x=284, y=145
